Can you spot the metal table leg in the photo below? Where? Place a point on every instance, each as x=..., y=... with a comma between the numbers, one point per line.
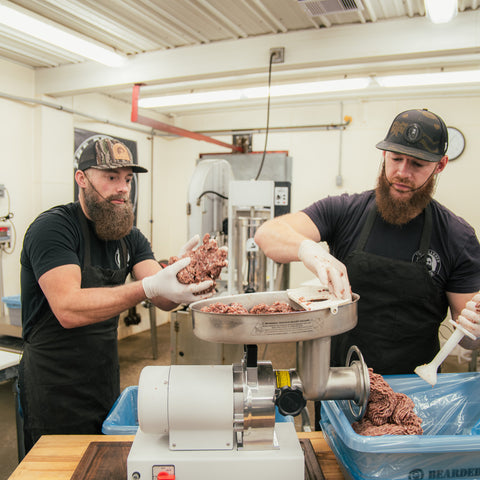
x=18, y=421
x=472, y=366
x=153, y=326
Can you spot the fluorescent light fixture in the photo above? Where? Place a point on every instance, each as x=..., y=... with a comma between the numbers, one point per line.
x=14, y=18
x=441, y=11
x=422, y=79
x=256, y=92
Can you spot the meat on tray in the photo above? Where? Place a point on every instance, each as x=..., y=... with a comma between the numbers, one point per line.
x=388, y=412
x=277, y=307
x=233, y=308
x=236, y=308
x=206, y=264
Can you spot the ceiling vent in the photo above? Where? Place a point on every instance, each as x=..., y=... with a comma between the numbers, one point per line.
x=315, y=8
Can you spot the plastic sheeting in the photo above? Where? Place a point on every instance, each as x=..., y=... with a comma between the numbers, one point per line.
x=123, y=416
x=449, y=447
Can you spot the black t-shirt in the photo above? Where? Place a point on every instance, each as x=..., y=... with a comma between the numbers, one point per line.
x=453, y=255
x=54, y=239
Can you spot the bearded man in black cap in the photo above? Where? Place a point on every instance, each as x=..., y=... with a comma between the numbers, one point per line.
x=74, y=263
x=406, y=255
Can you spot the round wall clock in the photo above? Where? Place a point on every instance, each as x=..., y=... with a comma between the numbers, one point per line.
x=456, y=143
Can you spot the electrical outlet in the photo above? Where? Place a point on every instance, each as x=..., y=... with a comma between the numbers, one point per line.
x=278, y=54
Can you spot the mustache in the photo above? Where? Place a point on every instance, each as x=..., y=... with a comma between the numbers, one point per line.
x=402, y=181
x=124, y=198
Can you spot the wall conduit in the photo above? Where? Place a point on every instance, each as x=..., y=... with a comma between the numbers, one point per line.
x=151, y=131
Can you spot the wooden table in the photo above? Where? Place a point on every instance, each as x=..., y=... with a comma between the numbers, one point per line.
x=55, y=457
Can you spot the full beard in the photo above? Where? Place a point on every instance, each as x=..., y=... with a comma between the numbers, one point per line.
x=111, y=221
x=400, y=212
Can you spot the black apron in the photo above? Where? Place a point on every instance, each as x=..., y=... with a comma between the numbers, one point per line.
x=69, y=378
x=399, y=311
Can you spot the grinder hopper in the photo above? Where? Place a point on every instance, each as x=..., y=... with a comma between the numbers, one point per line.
x=312, y=329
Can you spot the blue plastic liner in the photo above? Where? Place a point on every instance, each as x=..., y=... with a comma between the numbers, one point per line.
x=449, y=447
x=123, y=416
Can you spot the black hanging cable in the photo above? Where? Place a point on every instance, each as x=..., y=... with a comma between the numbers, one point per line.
x=268, y=116
x=212, y=192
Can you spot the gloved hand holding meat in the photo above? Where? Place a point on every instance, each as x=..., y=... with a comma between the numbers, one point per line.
x=207, y=262
x=469, y=317
x=331, y=272
x=165, y=284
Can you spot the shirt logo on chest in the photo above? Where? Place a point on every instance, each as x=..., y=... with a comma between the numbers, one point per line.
x=118, y=259
x=432, y=261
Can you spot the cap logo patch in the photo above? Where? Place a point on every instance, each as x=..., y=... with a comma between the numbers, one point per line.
x=120, y=153
x=413, y=133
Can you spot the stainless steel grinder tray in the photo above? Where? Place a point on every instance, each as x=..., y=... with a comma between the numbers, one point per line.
x=269, y=328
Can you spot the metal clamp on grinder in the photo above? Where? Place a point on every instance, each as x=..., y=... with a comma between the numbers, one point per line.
x=218, y=421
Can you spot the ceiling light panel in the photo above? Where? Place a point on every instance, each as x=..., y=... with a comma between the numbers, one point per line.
x=249, y=93
x=44, y=30
x=423, y=79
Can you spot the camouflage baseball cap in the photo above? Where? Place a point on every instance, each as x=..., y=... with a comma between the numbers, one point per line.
x=417, y=133
x=107, y=154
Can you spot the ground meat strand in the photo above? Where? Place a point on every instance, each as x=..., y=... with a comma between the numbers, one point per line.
x=388, y=412
x=206, y=264
x=236, y=308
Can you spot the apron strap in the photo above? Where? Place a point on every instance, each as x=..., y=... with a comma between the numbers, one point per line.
x=86, y=235
x=123, y=245
x=367, y=227
x=427, y=232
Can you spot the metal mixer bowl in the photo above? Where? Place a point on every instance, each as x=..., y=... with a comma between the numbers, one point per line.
x=294, y=326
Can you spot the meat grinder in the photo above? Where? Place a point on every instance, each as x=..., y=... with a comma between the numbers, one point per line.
x=218, y=421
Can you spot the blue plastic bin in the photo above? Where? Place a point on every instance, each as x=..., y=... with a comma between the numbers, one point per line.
x=449, y=447
x=123, y=416
x=14, y=309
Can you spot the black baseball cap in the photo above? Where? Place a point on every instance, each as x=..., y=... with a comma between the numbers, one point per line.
x=418, y=133
x=107, y=154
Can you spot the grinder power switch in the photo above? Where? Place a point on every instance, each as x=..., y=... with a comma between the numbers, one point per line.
x=166, y=476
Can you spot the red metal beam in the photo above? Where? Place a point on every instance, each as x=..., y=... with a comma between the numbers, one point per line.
x=165, y=127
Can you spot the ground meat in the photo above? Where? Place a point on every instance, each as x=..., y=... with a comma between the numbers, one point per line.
x=388, y=413
x=277, y=307
x=236, y=308
x=206, y=264
x=233, y=308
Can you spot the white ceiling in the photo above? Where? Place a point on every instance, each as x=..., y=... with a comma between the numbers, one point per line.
x=177, y=46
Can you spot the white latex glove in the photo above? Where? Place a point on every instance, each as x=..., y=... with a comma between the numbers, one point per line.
x=165, y=284
x=327, y=268
x=469, y=317
x=190, y=245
